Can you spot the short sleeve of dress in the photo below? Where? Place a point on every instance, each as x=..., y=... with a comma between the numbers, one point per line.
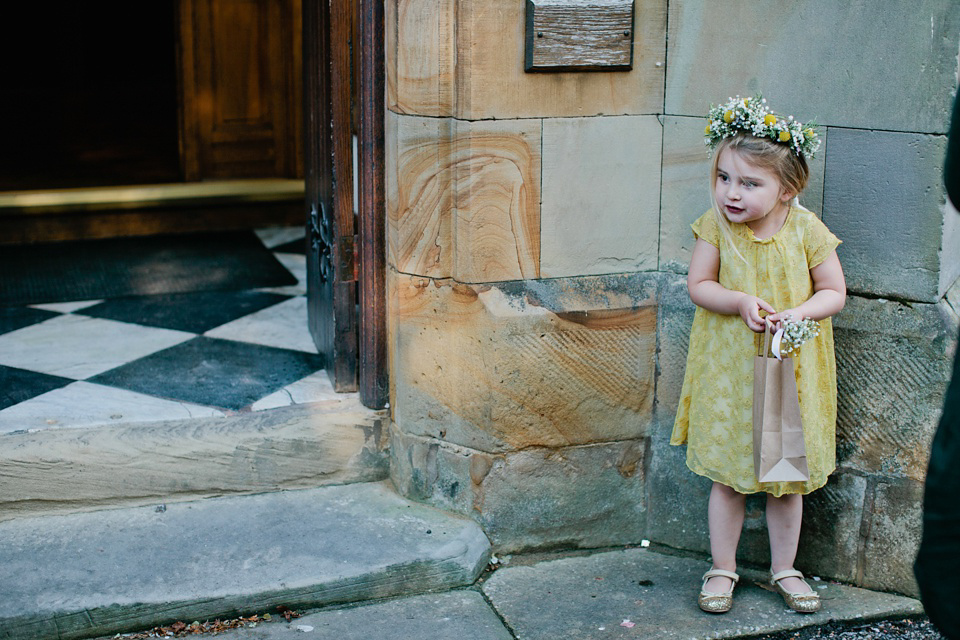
x=705, y=228
x=819, y=242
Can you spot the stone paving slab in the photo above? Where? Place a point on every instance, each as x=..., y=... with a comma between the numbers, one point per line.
x=458, y=615
x=637, y=593
x=100, y=573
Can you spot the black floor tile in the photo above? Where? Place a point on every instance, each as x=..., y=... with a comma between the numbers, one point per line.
x=13, y=318
x=294, y=246
x=218, y=373
x=193, y=312
x=18, y=385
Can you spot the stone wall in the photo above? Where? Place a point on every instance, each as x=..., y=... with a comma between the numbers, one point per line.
x=538, y=232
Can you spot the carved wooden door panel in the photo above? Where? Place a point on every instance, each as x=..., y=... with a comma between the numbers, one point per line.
x=240, y=69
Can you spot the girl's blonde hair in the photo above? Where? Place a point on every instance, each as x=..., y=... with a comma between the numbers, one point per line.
x=790, y=169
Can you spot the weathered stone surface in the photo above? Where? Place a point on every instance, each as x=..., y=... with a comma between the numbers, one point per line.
x=677, y=514
x=528, y=363
x=463, y=198
x=827, y=68
x=588, y=598
x=830, y=536
x=122, y=570
x=686, y=187
x=419, y=194
x=892, y=536
x=465, y=58
x=587, y=496
x=601, y=195
x=892, y=372
x=457, y=615
x=419, y=37
x=496, y=167
x=883, y=196
x=677, y=506
x=674, y=320
x=303, y=446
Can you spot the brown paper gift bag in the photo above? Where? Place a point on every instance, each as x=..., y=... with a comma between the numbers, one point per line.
x=779, y=454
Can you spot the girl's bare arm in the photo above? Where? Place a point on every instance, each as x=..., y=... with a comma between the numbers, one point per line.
x=829, y=293
x=707, y=292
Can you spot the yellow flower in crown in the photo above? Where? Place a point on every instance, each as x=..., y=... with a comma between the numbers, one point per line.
x=706, y=131
x=784, y=136
x=728, y=117
x=769, y=119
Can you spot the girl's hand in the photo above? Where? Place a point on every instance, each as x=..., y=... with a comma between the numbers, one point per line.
x=778, y=318
x=750, y=308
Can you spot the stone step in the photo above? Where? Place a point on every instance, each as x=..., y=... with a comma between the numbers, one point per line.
x=95, y=574
x=296, y=447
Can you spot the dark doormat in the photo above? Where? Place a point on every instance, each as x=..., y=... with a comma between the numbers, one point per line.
x=98, y=269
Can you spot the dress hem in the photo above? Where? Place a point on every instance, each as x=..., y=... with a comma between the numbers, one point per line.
x=776, y=494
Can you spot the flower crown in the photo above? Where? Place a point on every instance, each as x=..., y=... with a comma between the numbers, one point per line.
x=750, y=115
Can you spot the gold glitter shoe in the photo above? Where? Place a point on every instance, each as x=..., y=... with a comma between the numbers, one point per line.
x=801, y=602
x=717, y=602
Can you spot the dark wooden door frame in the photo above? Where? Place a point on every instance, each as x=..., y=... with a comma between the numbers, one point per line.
x=346, y=257
x=374, y=390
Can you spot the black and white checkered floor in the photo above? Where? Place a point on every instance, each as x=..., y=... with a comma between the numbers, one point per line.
x=150, y=358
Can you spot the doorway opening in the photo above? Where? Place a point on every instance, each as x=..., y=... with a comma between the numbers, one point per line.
x=92, y=97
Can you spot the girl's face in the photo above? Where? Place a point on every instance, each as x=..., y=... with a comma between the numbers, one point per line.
x=747, y=193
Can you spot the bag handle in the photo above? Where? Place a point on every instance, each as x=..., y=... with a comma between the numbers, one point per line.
x=777, y=341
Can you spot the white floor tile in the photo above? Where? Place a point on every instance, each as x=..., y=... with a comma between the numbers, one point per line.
x=283, y=325
x=275, y=236
x=67, y=307
x=78, y=347
x=314, y=388
x=82, y=404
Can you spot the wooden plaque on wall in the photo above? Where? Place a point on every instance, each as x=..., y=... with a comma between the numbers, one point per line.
x=579, y=35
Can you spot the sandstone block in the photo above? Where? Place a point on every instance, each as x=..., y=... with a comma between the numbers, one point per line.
x=463, y=198
x=674, y=320
x=419, y=194
x=893, y=536
x=465, y=58
x=883, y=196
x=601, y=195
x=686, y=187
x=830, y=72
x=526, y=363
x=497, y=172
x=420, y=56
x=677, y=506
x=892, y=371
x=586, y=496
x=830, y=537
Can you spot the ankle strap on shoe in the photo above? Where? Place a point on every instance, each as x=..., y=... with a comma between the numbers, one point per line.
x=721, y=573
x=786, y=573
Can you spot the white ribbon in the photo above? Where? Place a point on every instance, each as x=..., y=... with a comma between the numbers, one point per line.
x=775, y=347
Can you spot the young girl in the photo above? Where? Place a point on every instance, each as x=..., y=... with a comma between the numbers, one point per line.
x=759, y=258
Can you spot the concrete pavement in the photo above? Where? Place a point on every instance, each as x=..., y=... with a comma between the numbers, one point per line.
x=360, y=562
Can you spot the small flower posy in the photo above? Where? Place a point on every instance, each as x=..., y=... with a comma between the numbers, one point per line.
x=751, y=115
x=796, y=332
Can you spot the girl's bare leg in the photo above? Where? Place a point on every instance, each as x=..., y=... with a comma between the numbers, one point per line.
x=784, y=515
x=725, y=517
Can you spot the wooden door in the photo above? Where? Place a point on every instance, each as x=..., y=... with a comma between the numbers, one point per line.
x=240, y=71
x=346, y=261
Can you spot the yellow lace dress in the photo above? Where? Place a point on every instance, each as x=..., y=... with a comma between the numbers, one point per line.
x=715, y=416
